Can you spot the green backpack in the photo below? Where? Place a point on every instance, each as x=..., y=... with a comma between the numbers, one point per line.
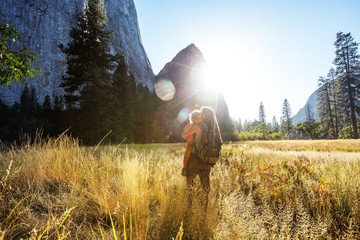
x=209, y=147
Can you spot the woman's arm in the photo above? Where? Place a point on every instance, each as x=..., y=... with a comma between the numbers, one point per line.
x=191, y=131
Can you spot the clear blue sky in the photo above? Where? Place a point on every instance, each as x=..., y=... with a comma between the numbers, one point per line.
x=270, y=50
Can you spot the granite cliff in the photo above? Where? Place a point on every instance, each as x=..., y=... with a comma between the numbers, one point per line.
x=301, y=114
x=45, y=24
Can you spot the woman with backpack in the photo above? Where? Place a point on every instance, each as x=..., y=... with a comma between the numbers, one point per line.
x=197, y=165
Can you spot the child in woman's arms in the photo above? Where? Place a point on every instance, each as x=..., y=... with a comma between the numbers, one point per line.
x=195, y=118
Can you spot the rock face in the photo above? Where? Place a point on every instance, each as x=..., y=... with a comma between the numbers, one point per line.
x=185, y=72
x=46, y=24
x=301, y=114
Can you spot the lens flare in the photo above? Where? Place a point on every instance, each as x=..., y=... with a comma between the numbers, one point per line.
x=183, y=115
x=165, y=90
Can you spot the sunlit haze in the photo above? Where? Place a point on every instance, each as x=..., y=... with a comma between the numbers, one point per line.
x=256, y=50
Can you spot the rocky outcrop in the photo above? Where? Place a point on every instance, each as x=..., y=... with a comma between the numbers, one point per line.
x=301, y=114
x=45, y=24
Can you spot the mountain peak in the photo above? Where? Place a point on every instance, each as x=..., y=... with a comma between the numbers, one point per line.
x=189, y=56
x=184, y=67
x=192, y=47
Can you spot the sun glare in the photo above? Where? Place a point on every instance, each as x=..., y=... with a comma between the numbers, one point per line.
x=221, y=71
x=211, y=77
x=235, y=70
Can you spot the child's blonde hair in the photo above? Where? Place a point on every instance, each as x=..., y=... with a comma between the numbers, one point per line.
x=193, y=114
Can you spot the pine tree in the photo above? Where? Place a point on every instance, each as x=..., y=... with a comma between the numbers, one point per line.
x=119, y=80
x=46, y=114
x=25, y=102
x=148, y=114
x=262, y=115
x=308, y=115
x=325, y=106
x=145, y=126
x=286, y=121
x=6, y=121
x=239, y=125
x=336, y=99
x=29, y=113
x=87, y=82
x=247, y=125
x=346, y=61
x=124, y=102
x=130, y=109
x=58, y=116
x=275, y=125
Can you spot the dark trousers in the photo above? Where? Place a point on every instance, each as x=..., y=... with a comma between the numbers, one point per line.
x=197, y=167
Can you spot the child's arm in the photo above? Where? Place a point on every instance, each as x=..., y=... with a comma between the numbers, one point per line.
x=193, y=129
x=187, y=128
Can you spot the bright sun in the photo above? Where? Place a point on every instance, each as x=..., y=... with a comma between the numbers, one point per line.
x=211, y=77
x=221, y=71
x=233, y=69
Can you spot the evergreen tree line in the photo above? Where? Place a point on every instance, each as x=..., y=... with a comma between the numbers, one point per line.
x=260, y=129
x=29, y=119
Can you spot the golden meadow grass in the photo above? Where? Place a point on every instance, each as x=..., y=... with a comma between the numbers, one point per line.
x=56, y=189
x=343, y=145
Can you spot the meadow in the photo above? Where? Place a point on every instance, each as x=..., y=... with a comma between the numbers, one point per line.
x=57, y=189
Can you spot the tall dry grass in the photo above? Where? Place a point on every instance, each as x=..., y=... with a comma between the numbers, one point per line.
x=100, y=191
x=56, y=189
